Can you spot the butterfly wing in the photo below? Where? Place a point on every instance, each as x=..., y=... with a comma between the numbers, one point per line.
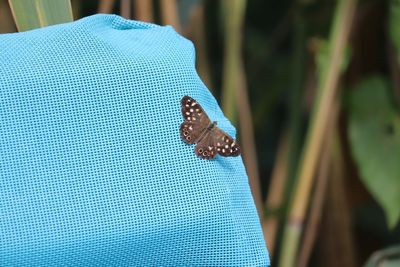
x=205, y=148
x=196, y=120
x=225, y=145
x=190, y=131
x=193, y=112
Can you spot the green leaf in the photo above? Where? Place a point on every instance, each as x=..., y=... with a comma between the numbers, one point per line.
x=374, y=133
x=32, y=14
x=389, y=257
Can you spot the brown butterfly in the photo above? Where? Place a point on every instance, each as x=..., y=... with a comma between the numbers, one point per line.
x=197, y=128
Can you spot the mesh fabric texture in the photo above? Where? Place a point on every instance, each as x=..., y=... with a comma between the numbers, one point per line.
x=93, y=170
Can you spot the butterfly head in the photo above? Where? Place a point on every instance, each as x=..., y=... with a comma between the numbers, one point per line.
x=212, y=125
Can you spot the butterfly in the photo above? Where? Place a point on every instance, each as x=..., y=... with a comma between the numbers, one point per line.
x=198, y=129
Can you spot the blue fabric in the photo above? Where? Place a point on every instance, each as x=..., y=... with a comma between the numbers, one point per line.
x=93, y=170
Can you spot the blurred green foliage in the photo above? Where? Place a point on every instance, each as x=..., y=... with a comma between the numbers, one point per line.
x=30, y=15
x=389, y=257
x=374, y=131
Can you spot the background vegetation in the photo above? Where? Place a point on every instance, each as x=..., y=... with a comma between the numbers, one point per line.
x=314, y=89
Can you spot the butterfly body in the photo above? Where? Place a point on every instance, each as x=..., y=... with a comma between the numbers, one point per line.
x=198, y=129
x=206, y=131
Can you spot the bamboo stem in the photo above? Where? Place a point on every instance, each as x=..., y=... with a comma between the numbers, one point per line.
x=125, y=9
x=295, y=115
x=247, y=139
x=322, y=107
x=234, y=92
x=7, y=24
x=169, y=14
x=295, y=103
x=106, y=6
x=143, y=10
x=30, y=15
x=76, y=9
x=275, y=200
x=290, y=162
x=233, y=12
x=318, y=198
x=337, y=217
x=195, y=30
x=339, y=196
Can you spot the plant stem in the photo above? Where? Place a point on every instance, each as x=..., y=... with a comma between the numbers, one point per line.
x=29, y=14
x=106, y=6
x=318, y=199
x=234, y=92
x=143, y=10
x=276, y=191
x=247, y=139
x=169, y=14
x=322, y=107
x=125, y=8
x=233, y=13
x=337, y=217
x=195, y=30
